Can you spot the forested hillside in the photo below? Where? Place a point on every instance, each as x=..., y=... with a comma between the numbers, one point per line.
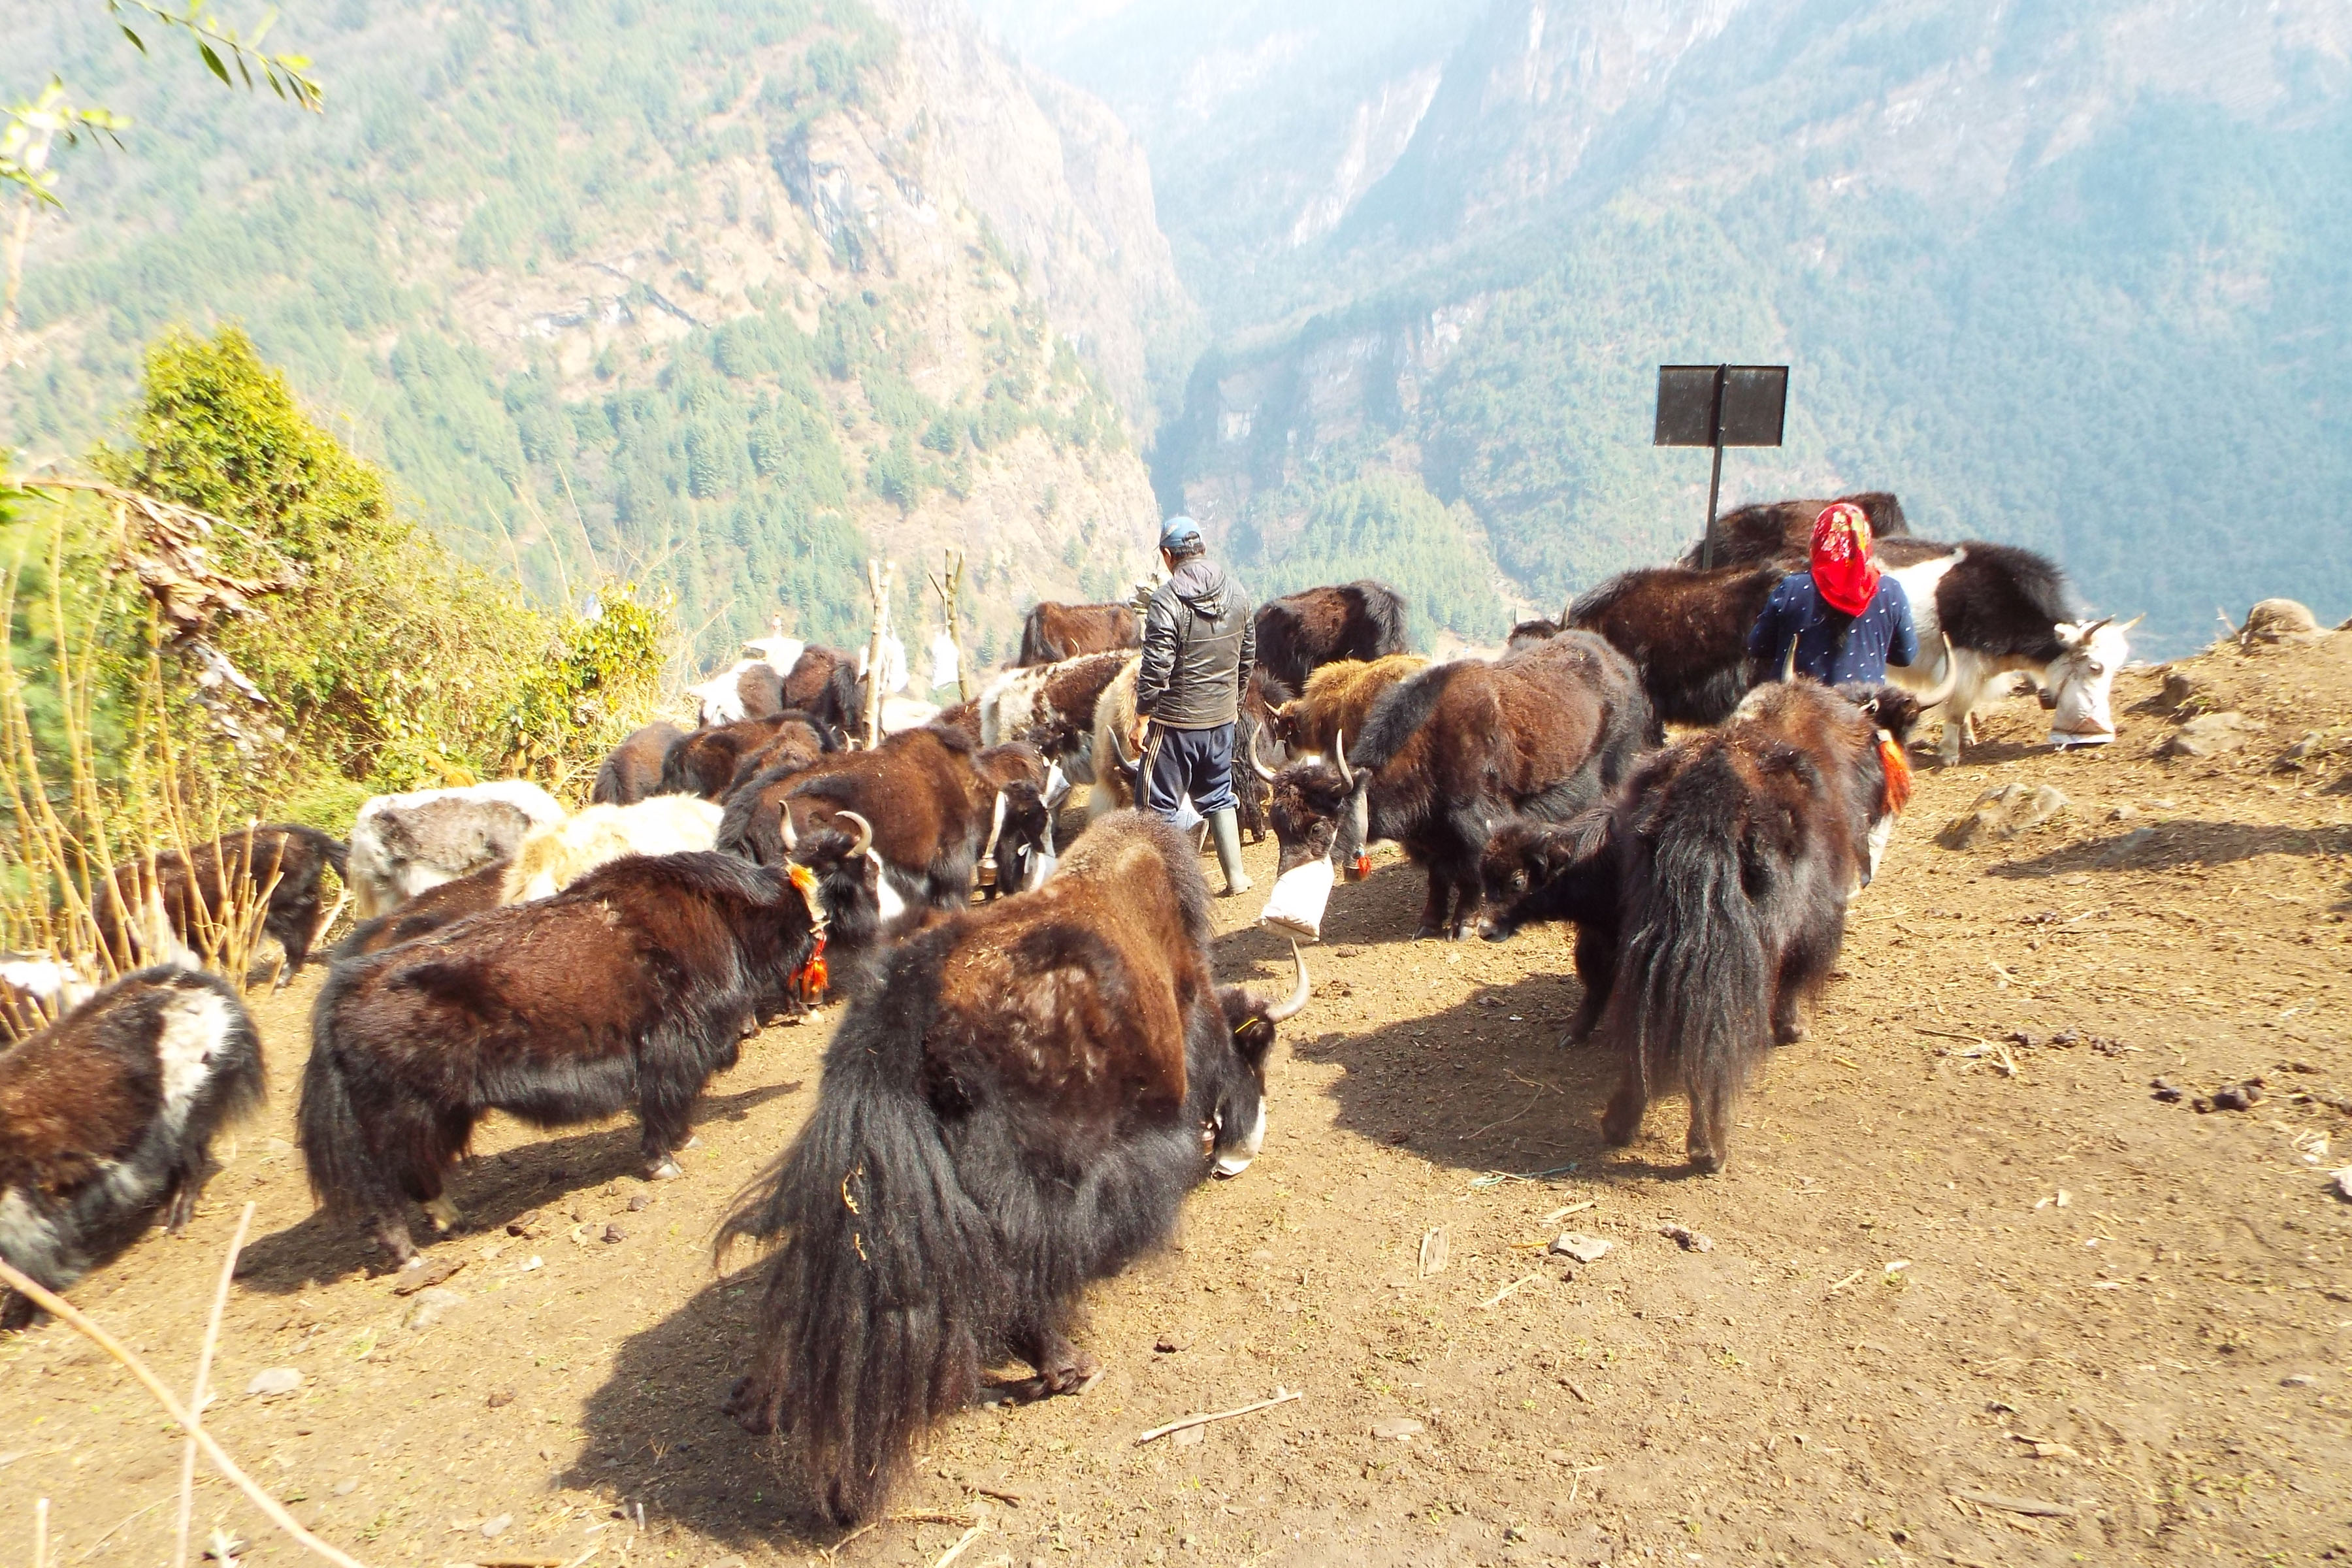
x=2069, y=276
x=712, y=295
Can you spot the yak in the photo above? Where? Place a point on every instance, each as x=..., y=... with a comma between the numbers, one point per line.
x=633, y=985
x=428, y=911
x=1051, y=706
x=1338, y=698
x=1120, y=786
x=1711, y=892
x=633, y=769
x=160, y=909
x=706, y=763
x=1447, y=754
x=1052, y=633
x=1686, y=630
x=110, y=1112
x=36, y=989
x=1769, y=531
x=1015, y=1111
x=403, y=844
x=553, y=858
x=1299, y=632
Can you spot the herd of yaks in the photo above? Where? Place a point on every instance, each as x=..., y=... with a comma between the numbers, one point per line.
x=1020, y=1090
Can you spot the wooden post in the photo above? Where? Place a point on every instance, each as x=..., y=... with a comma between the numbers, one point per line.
x=949, y=591
x=879, y=576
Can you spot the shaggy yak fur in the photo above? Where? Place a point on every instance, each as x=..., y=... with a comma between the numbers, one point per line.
x=811, y=674
x=752, y=689
x=924, y=790
x=1056, y=632
x=706, y=763
x=1710, y=893
x=1686, y=630
x=633, y=770
x=1016, y=1112
x=1338, y=698
x=2003, y=609
x=1299, y=632
x=1526, y=634
x=1451, y=752
x=403, y=844
x=151, y=913
x=428, y=911
x=1767, y=531
x=110, y=1112
x=633, y=985
x=1051, y=706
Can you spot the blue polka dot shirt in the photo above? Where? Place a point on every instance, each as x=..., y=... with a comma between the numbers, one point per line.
x=1882, y=635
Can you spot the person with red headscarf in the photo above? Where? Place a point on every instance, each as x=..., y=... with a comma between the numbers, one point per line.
x=1847, y=620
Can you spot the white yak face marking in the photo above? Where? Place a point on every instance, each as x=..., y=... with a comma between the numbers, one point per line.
x=887, y=897
x=2082, y=683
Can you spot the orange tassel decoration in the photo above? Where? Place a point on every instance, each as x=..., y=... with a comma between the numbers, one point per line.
x=1363, y=867
x=813, y=977
x=1898, y=775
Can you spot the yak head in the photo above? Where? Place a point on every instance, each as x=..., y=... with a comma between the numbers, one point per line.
x=857, y=898
x=1319, y=817
x=1232, y=1126
x=2081, y=680
x=1023, y=836
x=1534, y=869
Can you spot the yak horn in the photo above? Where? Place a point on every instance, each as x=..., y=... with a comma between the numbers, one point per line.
x=1789, y=665
x=1297, y=1002
x=995, y=828
x=865, y=845
x=1946, y=687
x=1257, y=767
x=792, y=835
x=1339, y=753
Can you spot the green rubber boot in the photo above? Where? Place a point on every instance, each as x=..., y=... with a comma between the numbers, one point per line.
x=1226, y=829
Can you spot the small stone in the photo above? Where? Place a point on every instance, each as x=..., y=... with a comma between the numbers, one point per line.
x=1188, y=1435
x=277, y=1380
x=2002, y=814
x=2124, y=814
x=1517, y=1532
x=1689, y=1240
x=639, y=1203
x=2208, y=735
x=525, y=1224
x=1397, y=1428
x=345, y=1489
x=2297, y=1380
x=431, y=1306
x=615, y=1233
x=438, y=1271
x=499, y=1398
x=2171, y=1093
x=1169, y=1344
x=2231, y=1097
x=494, y=1528
x=2179, y=686
x=1583, y=1247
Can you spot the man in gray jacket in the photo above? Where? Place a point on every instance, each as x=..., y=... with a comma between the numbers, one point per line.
x=1200, y=638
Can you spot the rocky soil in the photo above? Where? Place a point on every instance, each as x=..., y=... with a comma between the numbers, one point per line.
x=1984, y=1284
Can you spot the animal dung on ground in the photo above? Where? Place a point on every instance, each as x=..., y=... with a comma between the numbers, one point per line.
x=1583, y=1247
x=276, y=1381
x=431, y=1306
x=1169, y=1344
x=437, y=1272
x=2242, y=1096
x=2171, y=1093
x=2002, y=814
x=1397, y=1428
x=1689, y=1240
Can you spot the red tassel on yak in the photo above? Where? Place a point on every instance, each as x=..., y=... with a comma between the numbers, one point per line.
x=1898, y=775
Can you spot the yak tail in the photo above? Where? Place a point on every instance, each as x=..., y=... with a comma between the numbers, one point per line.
x=1384, y=607
x=344, y=1176
x=882, y=1296
x=1694, y=974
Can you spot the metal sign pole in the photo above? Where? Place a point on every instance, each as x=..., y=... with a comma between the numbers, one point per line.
x=1720, y=406
x=1714, y=479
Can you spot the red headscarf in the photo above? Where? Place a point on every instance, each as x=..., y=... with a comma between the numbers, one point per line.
x=1843, y=573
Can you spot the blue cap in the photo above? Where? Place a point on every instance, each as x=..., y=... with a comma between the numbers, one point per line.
x=1178, y=532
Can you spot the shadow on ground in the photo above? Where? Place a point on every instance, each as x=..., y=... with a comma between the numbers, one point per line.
x=2172, y=844
x=489, y=1191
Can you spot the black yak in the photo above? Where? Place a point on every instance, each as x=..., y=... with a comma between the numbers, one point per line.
x=112, y=1110
x=428, y=911
x=1299, y=632
x=1729, y=858
x=1765, y=531
x=1686, y=630
x=1017, y=1110
x=633, y=769
x=1446, y=755
x=633, y=985
x=159, y=910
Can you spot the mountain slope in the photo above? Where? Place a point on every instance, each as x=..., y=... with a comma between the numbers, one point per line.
x=719, y=295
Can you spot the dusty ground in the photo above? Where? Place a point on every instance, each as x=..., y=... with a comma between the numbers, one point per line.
x=1947, y=1265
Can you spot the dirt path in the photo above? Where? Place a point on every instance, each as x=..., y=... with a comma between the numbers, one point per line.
x=1953, y=1274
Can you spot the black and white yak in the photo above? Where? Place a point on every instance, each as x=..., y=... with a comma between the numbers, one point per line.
x=1015, y=1111
x=109, y=1113
x=403, y=844
x=631, y=987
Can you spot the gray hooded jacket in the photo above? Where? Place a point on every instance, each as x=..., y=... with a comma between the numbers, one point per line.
x=1200, y=639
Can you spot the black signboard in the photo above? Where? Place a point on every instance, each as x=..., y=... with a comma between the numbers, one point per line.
x=1720, y=406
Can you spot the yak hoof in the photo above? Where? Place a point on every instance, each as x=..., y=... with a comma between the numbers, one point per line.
x=1790, y=1033
x=756, y=1416
x=1425, y=934
x=667, y=1170
x=442, y=1213
x=1707, y=1161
